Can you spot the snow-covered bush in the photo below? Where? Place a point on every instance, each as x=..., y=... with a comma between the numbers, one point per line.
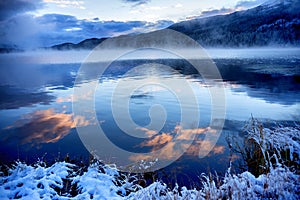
x=102, y=182
x=41, y=182
x=34, y=182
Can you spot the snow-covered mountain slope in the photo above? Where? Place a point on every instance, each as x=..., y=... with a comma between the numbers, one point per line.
x=276, y=22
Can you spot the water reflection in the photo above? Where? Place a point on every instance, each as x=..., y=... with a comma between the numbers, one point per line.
x=273, y=80
x=14, y=98
x=181, y=137
x=35, y=107
x=43, y=126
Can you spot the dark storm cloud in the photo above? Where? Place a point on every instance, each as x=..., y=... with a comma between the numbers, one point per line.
x=9, y=8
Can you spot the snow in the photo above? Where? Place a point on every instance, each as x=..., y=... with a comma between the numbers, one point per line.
x=100, y=181
x=34, y=182
x=93, y=184
x=40, y=182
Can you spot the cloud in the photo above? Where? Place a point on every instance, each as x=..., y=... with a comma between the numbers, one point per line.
x=221, y=11
x=19, y=30
x=249, y=4
x=67, y=3
x=137, y=2
x=9, y=8
x=213, y=12
x=44, y=126
x=178, y=5
x=83, y=29
x=241, y=5
x=27, y=31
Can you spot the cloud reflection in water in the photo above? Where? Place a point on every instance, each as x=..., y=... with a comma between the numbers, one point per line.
x=44, y=126
x=175, y=139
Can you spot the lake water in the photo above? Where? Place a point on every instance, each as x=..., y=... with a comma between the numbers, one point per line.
x=36, y=91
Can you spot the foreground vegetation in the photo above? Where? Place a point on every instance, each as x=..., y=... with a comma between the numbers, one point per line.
x=271, y=161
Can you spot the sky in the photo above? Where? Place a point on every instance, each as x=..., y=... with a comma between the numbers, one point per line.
x=39, y=23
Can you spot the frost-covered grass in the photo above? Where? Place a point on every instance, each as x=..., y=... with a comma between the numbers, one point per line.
x=279, y=183
x=277, y=148
x=266, y=148
x=280, y=145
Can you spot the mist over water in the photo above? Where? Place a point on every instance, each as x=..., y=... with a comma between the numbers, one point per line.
x=79, y=56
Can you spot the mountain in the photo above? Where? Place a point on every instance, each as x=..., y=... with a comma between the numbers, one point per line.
x=276, y=22
x=85, y=44
x=272, y=23
x=9, y=48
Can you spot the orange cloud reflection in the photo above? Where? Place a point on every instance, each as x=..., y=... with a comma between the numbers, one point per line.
x=46, y=126
x=158, y=140
x=175, y=140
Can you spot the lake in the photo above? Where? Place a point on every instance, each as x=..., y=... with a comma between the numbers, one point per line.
x=37, y=91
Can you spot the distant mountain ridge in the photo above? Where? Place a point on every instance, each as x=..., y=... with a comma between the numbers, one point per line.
x=85, y=44
x=275, y=22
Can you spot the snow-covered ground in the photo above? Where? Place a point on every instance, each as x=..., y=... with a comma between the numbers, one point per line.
x=67, y=181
